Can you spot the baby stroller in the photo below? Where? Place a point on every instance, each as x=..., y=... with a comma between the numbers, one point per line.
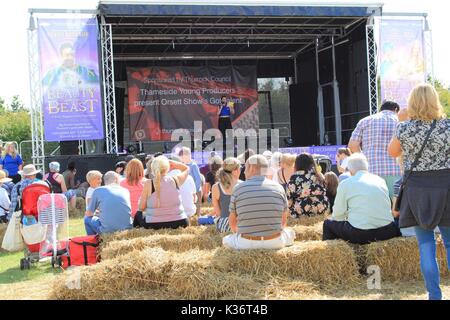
x=44, y=221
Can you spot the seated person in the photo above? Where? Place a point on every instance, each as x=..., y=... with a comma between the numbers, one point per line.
x=113, y=203
x=58, y=183
x=4, y=198
x=362, y=208
x=119, y=168
x=221, y=192
x=258, y=220
x=306, y=191
x=94, y=178
x=160, y=204
x=188, y=191
x=331, y=185
x=7, y=184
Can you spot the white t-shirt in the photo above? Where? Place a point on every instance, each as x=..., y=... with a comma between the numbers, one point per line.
x=4, y=201
x=89, y=193
x=187, y=191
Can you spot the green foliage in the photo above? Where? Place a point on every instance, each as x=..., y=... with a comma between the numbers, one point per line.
x=15, y=126
x=444, y=95
x=16, y=104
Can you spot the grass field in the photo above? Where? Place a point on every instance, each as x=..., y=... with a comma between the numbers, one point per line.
x=11, y=275
x=35, y=283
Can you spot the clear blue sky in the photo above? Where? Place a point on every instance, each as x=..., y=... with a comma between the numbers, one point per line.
x=14, y=22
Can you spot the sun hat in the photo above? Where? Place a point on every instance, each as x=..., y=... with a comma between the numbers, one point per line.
x=29, y=170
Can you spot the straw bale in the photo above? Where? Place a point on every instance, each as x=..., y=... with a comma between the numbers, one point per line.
x=399, y=258
x=110, y=278
x=193, y=281
x=141, y=232
x=308, y=233
x=3, y=227
x=322, y=262
x=307, y=220
x=175, y=243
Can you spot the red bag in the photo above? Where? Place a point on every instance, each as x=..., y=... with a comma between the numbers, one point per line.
x=30, y=196
x=82, y=251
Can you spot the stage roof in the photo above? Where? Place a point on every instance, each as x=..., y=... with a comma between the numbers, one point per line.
x=260, y=30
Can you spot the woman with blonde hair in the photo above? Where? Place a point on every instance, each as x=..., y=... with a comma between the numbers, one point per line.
x=11, y=162
x=424, y=196
x=160, y=205
x=228, y=177
x=287, y=169
x=134, y=183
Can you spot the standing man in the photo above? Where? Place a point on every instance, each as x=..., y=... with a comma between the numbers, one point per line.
x=226, y=109
x=372, y=136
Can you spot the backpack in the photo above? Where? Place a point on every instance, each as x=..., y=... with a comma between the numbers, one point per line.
x=30, y=196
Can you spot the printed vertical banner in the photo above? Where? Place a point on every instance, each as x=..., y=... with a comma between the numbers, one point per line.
x=72, y=105
x=402, y=63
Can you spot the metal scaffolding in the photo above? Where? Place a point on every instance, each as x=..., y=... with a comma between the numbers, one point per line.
x=109, y=100
x=37, y=125
x=372, y=74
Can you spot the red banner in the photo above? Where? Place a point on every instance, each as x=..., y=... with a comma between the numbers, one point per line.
x=163, y=99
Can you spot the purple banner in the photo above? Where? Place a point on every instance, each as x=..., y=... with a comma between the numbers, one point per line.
x=329, y=151
x=402, y=63
x=72, y=105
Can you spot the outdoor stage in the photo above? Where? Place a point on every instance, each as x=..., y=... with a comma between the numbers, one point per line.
x=308, y=70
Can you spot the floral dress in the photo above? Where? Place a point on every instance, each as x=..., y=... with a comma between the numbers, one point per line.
x=306, y=195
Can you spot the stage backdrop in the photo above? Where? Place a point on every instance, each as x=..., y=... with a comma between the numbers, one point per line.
x=69, y=64
x=402, y=64
x=163, y=99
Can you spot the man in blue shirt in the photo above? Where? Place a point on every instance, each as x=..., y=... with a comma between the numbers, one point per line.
x=362, y=208
x=113, y=205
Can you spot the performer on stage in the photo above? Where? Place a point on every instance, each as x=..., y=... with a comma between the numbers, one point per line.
x=226, y=109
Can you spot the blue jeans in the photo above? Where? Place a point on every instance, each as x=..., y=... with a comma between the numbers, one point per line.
x=428, y=262
x=92, y=225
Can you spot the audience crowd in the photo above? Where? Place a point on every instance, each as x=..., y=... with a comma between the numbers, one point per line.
x=393, y=179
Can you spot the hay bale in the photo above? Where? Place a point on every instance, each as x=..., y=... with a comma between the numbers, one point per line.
x=308, y=233
x=194, y=281
x=321, y=262
x=175, y=243
x=288, y=288
x=141, y=232
x=149, y=269
x=111, y=278
x=307, y=221
x=399, y=259
x=208, y=210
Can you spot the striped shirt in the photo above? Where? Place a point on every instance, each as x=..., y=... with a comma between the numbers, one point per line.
x=374, y=133
x=259, y=204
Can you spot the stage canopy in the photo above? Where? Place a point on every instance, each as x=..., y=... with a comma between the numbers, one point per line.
x=149, y=31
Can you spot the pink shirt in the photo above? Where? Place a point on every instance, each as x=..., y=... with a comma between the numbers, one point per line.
x=135, y=194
